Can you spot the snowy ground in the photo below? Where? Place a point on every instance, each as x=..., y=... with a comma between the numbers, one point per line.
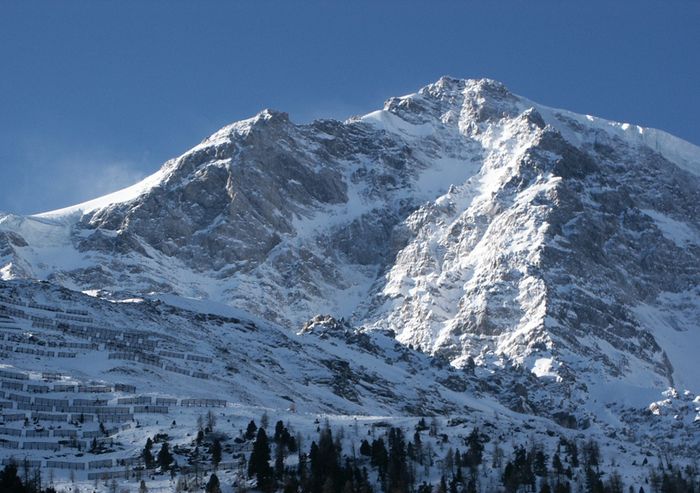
x=255, y=369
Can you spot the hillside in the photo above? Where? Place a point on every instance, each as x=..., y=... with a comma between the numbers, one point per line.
x=463, y=253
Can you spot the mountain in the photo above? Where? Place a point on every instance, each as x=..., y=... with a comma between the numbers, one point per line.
x=86, y=380
x=555, y=253
x=468, y=219
x=329, y=368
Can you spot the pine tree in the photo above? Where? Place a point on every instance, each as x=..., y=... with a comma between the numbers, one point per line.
x=165, y=458
x=259, y=463
x=380, y=457
x=279, y=460
x=302, y=471
x=572, y=450
x=591, y=454
x=365, y=448
x=213, y=485
x=518, y=472
x=325, y=461
x=452, y=486
x=442, y=487
x=292, y=446
x=594, y=484
x=216, y=452
x=540, y=463
x=418, y=447
x=250, y=431
x=142, y=487
x=279, y=431
x=473, y=457
x=10, y=481
x=449, y=461
x=398, y=477
x=313, y=465
x=291, y=485
x=147, y=454
x=557, y=465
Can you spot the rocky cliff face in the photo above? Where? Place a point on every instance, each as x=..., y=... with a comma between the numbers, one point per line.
x=470, y=221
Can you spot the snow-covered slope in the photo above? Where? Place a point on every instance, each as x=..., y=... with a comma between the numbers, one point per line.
x=94, y=378
x=125, y=195
x=473, y=223
x=210, y=349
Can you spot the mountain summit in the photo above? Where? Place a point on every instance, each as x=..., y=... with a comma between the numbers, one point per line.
x=474, y=223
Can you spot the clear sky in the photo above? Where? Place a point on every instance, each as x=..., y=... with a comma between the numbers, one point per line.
x=95, y=95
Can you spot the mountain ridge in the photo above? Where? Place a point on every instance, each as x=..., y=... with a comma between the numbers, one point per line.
x=469, y=220
x=502, y=267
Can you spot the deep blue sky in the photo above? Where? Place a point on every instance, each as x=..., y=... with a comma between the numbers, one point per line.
x=95, y=95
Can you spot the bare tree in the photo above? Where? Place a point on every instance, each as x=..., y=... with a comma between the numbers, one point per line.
x=433, y=427
x=211, y=420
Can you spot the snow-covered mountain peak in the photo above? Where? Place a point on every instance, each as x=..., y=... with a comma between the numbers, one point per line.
x=472, y=222
x=462, y=103
x=242, y=128
x=472, y=253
